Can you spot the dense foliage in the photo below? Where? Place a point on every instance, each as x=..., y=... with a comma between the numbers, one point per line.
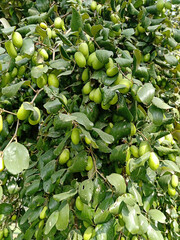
x=89, y=119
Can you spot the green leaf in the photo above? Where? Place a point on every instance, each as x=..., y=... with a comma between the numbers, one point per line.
x=104, y=55
x=82, y=119
x=172, y=60
x=33, y=188
x=131, y=219
x=102, y=213
x=104, y=136
x=137, y=59
x=59, y=148
x=143, y=224
x=153, y=233
x=76, y=20
x=106, y=230
x=51, y=222
x=65, y=195
x=146, y=93
x=27, y=47
x=6, y=208
x=166, y=150
x=48, y=170
x=67, y=117
x=157, y=215
x=128, y=32
x=95, y=29
x=63, y=217
x=79, y=162
x=59, y=64
x=64, y=39
x=136, y=194
x=11, y=91
x=137, y=162
x=42, y=5
x=53, y=106
x=85, y=190
x=118, y=182
x=120, y=130
x=159, y=103
x=107, y=95
x=29, y=107
x=119, y=153
x=156, y=115
x=16, y=158
x=99, y=191
x=171, y=165
x=37, y=72
x=124, y=62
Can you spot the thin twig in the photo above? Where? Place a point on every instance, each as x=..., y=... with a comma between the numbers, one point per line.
x=32, y=88
x=15, y=134
x=37, y=93
x=3, y=110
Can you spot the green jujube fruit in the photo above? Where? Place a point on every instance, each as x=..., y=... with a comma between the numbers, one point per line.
x=41, y=81
x=112, y=71
x=174, y=181
x=11, y=49
x=43, y=213
x=85, y=74
x=135, y=151
x=75, y=136
x=96, y=64
x=53, y=80
x=64, y=157
x=160, y=5
x=22, y=113
x=87, y=88
x=31, y=119
x=91, y=95
x=110, y=64
x=97, y=96
x=17, y=39
x=83, y=48
x=144, y=147
x=153, y=161
x=80, y=59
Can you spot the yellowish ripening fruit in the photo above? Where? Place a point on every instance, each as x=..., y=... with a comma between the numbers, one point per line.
x=89, y=164
x=144, y=147
x=31, y=119
x=134, y=151
x=174, y=181
x=80, y=59
x=93, y=5
x=85, y=74
x=10, y=49
x=153, y=161
x=22, y=113
x=1, y=123
x=43, y=25
x=88, y=233
x=44, y=54
x=87, y=88
x=83, y=48
x=1, y=164
x=53, y=80
x=79, y=204
x=171, y=191
x=43, y=213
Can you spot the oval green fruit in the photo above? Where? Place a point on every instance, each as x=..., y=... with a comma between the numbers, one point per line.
x=174, y=181
x=83, y=48
x=88, y=233
x=80, y=59
x=105, y=107
x=93, y=5
x=114, y=100
x=1, y=123
x=118, y=79
x=79, y=204
x=53, y=80
x=127, y=85
x=75, y=136
x=168, y=5
x=43, y=25
x=14, y=72
x=58, y=23
x=85, y=74
x=171, y=191
x=110, y=64
x=91, y=58
x=89, y=164
x=21, y=71
x=22, y=113
x=64, y=157
x=1, y=234
x=31, y=119
x=153, y=161
x=97, y=96
x=14, y=217
x=44, y=53
x=10, y=119
x=10, y=49
x=5, y=232
x=134, y=151
x=160, y=5
x=87, y=140
x=133, y=129
x=112, y=71
x=87, y=88
x=43, y=213
x=91, y=95
x=49, y=33
x=17, y=39
x=41, y=81
x=147, y=57
x=96, y=64
x=1, y=164
x=114, y=18
x=144, y=147
x=91, y=46
x=140, y=28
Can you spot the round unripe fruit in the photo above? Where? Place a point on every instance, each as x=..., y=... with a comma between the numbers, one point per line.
x=140, y=28
x=58, y=23
x=10, y=119
x=53, y=80
x=112, y=71
x=127, y=84
x=21, y=71
x=91, y=58
x=17, y=39
x=79, y=204
x=1, y=123
x=85, y=74
x=144, y=147
x=22, y=113
x=89, y=164
x=171, y=191
x=133, y=129
x=43, y=25
x=1, y=234
x=10, y=49
x=105, y=107
x=134, y=151
x=43, y=213
x=153, y=161
x=49, y=33
x=87, y=140
x=114, y=18
x=174, y=181
x=44, y=54
x=93, y=5
x=91, y=95
x=83, y=48
x=97, y=96
x=147, y=57
x=160, y=5
x=110, y=64
x=96, y=64
x=14, y=217
x=88, y=233
x=14, y=72
x=114, y=100
x=80, y=59
x=1, y=164
x=41, y=81
x=75, y=136
x=54, y=35
x=31, y=119
x=5, y=232
x=87, y=88
x=127, y=167
x=64, y=157
x=168, y=5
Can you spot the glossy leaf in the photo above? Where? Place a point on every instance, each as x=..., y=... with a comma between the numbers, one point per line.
x=118, y=182
x=157, y=215
x=63, y=216
x=146, y=93
x=51, y=222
